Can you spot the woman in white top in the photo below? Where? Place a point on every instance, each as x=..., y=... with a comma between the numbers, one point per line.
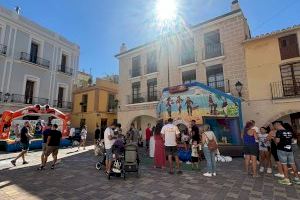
x=209, y=155
x=83, y=136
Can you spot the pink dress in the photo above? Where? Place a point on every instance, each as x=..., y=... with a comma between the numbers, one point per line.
x=159, y=152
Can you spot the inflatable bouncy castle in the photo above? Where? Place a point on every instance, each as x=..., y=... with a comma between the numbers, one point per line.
x=33, y=114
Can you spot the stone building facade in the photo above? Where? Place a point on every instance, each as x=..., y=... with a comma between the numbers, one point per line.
x=37, y=66
x=210, y=52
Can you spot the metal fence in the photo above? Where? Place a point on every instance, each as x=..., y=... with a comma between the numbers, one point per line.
x=35, y=60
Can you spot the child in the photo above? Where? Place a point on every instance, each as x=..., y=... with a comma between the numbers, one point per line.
x=195, y=154
x=264, y=151
x=185, y=138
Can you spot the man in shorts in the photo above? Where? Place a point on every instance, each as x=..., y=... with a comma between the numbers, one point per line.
x=169, y=133
x=109, y=140
x=285, y=153
x=24, y=140
x=53, y=142
x=45, y=134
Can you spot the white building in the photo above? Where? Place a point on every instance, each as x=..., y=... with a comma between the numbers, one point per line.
x=37, y=66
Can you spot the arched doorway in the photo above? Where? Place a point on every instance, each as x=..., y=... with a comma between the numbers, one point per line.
x=141, y=122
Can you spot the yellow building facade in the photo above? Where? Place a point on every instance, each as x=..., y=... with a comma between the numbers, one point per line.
x=96, y=104
x=273, y=78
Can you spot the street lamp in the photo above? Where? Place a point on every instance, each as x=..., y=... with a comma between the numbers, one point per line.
x=239, y=88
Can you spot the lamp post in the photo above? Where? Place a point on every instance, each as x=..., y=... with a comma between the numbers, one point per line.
x=239, y=88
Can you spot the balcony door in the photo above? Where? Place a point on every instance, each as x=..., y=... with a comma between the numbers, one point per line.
x=60, y=97
x=34, y=52
x=152, y=90
x=63, y=63
x=136, y=92
x=212, y=44
x=290, y=76
x=29, y=92
x=215, y=77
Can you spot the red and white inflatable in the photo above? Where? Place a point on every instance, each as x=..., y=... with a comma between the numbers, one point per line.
x=9, y=116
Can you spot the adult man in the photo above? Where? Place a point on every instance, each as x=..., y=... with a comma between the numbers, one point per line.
x=53, y=142
x=148, y=135
x=195, y=132
x=169, y=133
x=108, y=143
x=25, y=136
x=285, y=153
x=97, y=134
x=45, y=133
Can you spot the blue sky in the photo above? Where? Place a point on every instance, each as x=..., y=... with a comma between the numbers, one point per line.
x=100, y=26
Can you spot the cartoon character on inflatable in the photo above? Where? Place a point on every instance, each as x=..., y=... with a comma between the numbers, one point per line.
x=9, y=116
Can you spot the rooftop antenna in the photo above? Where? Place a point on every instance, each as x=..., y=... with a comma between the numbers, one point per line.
x=18, y=10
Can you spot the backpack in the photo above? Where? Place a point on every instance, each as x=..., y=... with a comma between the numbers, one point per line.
x=212, y=144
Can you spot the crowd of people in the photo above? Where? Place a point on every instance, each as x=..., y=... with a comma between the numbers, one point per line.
x=279, y=141
x=168, y=140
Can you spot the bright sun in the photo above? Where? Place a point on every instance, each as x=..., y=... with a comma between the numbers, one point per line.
x=166, y=10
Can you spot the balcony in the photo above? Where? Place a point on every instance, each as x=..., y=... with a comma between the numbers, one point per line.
x=24, y=99
x=213, y=51
x=134, y=73
x=62, y=104
x=65, y=70
x=149, y=69
x=3, y=49
x=187, y=59
x=285, y=89
x=143, y=98
x=35, y=60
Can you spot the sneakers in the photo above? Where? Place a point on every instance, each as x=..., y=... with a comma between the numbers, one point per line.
x=285, y=181
x=296, y=181
x=188, y=163
x=269, y=171
x=13, y=162
x=279, y=175
x=207, y=174
x=214, y=174
x=261, y=169
x=25, y=163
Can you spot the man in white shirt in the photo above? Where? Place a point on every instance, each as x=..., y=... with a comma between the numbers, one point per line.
x=109, y=140
x=170, y=133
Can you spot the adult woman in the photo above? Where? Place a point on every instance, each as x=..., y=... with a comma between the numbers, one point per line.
x=250, y=147
x=159, y=150
x=83, y=136
x=208, y=135
x=271, y=137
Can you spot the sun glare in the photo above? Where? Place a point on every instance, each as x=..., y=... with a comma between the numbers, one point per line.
x=166, y=10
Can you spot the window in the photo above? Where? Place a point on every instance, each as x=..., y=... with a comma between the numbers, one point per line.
x=215, y=77
x=189, y=76
x=213, y=46
x=136, y=66
x=63, y=63
x=84, y=103
x=151, y=62
x=288, y=46
x=29, y=92
x=111, y=103
x=136, y=92
x=34, y=52
x=187, y=52
x=60, y=97
x=290, y=76
x=152, y=90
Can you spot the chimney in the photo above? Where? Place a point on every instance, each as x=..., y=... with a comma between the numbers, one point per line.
x=18, y=10
x=235, y=5
x=123, y=48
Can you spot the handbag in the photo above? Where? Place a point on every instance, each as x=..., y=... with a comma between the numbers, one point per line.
x=212, y=144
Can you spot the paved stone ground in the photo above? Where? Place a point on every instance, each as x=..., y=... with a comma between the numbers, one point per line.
x=76, y=178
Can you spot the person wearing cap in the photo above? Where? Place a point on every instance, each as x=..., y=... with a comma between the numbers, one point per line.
x=25, y=137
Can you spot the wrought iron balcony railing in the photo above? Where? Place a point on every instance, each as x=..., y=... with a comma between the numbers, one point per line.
x=143, y=98
x=3, y=49
x=35, y=60
x=65, y=70
x=285, y=89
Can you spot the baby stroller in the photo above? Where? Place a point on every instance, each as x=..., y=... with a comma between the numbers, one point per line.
x=117, y=168
x=100, y=151
x=131, y=160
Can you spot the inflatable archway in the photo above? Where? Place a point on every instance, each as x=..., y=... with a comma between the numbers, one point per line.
x=9, y=116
